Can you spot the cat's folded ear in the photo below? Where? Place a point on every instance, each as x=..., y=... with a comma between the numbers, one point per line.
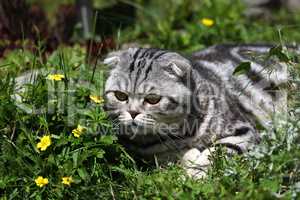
x=175, y=64
x=111, y=60
x=114, y=58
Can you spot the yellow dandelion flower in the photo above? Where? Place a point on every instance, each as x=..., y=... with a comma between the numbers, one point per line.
x=77, y=132
x=56, y=77
x=41, y=181
x=96, y=99
x=44, y=143
x=207, y=22
x=67, y=180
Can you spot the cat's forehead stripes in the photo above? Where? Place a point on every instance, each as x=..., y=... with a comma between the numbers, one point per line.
x=131, y=66
x=144, y=54
x=142, y=63
x=149, y=68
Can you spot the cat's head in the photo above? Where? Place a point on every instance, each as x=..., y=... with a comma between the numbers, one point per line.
x=147, y=90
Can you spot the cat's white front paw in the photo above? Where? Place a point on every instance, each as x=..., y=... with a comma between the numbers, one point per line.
x=196, y=163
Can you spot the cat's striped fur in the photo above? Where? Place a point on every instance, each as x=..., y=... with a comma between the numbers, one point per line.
x=171, y=107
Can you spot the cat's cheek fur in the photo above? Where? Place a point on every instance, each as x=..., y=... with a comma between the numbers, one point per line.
x=125, y=118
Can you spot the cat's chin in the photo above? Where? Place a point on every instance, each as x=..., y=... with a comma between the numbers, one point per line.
x=134, y=128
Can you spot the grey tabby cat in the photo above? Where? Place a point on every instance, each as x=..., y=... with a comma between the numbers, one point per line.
x=170, y=107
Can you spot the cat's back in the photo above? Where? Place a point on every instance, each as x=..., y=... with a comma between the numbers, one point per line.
x=224, y=59
x=256, y=85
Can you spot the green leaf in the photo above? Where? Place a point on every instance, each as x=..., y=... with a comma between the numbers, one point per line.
x=82, y=173
x=2, y=184
x=25, y=107
x=242, y=68
x=51, y=159
x=75, y=159
x=14, y=193
x=107, y=139
x=277, y=51
x=100, y=153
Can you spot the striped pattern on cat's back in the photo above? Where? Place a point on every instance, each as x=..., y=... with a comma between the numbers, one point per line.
x=257, y=89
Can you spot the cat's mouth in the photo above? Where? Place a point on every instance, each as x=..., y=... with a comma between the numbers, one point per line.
x=145, y=125
x=140, y=120
x=138, y=125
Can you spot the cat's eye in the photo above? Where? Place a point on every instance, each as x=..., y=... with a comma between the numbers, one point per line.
x=121, y=96
x=152, y=99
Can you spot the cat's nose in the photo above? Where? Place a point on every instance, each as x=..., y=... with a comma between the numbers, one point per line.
x=133, y=114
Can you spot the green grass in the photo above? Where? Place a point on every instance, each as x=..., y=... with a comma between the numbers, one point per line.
x=99, y=166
